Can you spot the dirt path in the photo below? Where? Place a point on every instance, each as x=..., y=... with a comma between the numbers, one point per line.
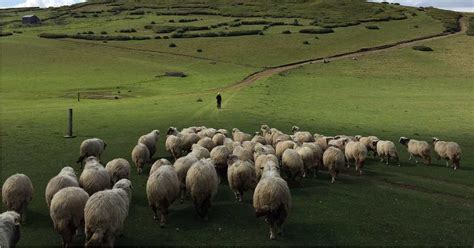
x=364, y=51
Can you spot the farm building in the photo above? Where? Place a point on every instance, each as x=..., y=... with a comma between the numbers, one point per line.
x=30, y=19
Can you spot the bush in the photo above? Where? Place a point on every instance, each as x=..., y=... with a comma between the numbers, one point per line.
x=164, y=29
x=158, y=37
x=257, y=22
x=172, y=45
x=470, y=30
x=5, y=34
x=187, y=20
x=306, y=42
x=103, y=32
x=199, y=50
x=138, y=12
x=52, y=36
x=166, y=37
x=372, y=27
x=316, y=31
x=129, y=30
x=423, y=48
x=286, y=32
x=171, y=21
x=152, y=22
x=17, y=32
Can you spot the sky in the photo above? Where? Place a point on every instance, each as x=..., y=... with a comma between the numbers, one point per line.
x=457, y=5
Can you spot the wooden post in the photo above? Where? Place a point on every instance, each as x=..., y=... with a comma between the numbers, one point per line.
x=78, y=96
x=69, y=126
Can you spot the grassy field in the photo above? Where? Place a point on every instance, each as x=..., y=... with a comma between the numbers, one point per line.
x=389, y=94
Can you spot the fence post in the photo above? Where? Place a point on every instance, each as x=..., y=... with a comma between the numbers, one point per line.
x=69, y=126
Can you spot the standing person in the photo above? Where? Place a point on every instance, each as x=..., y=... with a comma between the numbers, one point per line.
x=219, y=100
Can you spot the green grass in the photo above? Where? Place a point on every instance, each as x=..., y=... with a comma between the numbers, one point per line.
x=391, y=94
x=470, y=31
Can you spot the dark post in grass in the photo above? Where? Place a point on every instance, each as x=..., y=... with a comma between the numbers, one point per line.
x=78, y=96
x=69, y=126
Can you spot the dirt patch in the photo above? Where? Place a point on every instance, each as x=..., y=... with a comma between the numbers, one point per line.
x=424, y=190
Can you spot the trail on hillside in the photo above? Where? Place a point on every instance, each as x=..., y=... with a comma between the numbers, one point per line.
x=251, y=79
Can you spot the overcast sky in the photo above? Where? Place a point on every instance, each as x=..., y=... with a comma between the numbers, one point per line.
x=458, y=5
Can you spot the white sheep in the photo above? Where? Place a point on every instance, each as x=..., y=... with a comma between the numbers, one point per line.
x=292, y=164
x=174, y=145
x=219, y=156
x=207, y=143
x=241, y=176
x=451, y=151
x=308, y=157
x=243, y=153
x=368, y=142
x=262, y=149
x=65, y=178
x=200, y=152
x=257, y=138
x=261, y=161
x=182, y=165
x=416, y=149
x=207, y=132
x=322, y=140
x=105, y=214
x=17, y=193
x=140, y=156
x=333, y=160
x=240, y=136
x=218, y=139
x=339, y=142
x=223, y=131
x=149, y=140
x=67, y=212
x=9, y=229
x=162, y=189
x=201, y=184
x=118, y=168
x=281, y=147
x=188, y=140
x=91, y=147
x=272, y=199
x=280, y=137
x=94, y=177
x=158, y=163
x=356, y=152
x=229, y=143
x=301, y=136
x=386, y=149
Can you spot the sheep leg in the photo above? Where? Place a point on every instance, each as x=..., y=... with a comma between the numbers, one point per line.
x=183, y=194
x=388, y=159
x=447, y=162
x=241, y=195
x=411, y=155
x=155, y=214
x=333, y=175
x=163, y=220
x=273, y=230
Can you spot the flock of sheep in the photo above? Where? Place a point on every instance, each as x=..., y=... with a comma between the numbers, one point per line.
x=203, y=157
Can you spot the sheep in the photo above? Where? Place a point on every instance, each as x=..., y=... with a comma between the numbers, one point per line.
x=105, y=213
x=293, y=164
x=207, y=143
x=94, y=177
x=188, y=140
x=219, y=156
x=322, y=140
x=229, y=143
x=301, y=136
x=280, y=137
x=417, y=148
x=307, y=155
x=249, y=145
x=257, y=138
x=386, y=149
x=91, y=147
x=450, y=151
x=267, y=134
x=182, y=165
x=317, y=152
x=149, y=140
x=333, y=159
x=158, y=163
x=17, y=193
x=223, y=131
x=240, y=136
x=207, y=132
x=218, y=139
x=9, y=229
x=174, y=145
x=281, y=147
x=241, y=176
x=243, y=154
x=162, y=189
x=357, y=152
x=67, y=212
x=140, y=156
x=368, y=142
x=118, y=168
x=261, y=161
x=200, y=152
x=201, y=184
x=66, y=178
x=339, y=142
x=263, y=149
x=272, y=199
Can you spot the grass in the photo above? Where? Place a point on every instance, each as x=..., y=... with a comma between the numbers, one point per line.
x=390, y=94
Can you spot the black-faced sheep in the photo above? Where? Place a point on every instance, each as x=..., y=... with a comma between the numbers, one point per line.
x=368, y=142
x=17, y=193
x=416, y=149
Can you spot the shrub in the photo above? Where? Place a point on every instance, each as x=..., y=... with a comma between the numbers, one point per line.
x=306, y=42
x=5, y=34
x=164, y=29
x=171, y=21
x=17, y=32
x=158, y=37
x=256, y=22
x=372, y=27
x=128, y=30
x=103, y=32
x=172, y=45
x=316, y=31
x=52, y=36
x=166, y=37
x=423, y=48
x=199, y=50
x=286, y=32
x=188, y=20
x=470, y=30
x=138, y=12
x=152, y=22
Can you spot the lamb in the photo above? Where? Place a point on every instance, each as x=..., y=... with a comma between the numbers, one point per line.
x=140, y=156
x=218, y=139
x=257, y=138
x=243, y=154
x=281, y=147
x=272, y=199
x=118, y=168
x=219, y=156
x=241, y=176
x=66, y=178
x=162, y=189
x=417, y=148
x=357, y=152
x=307, y=155
x=105, y=213
x=149, y=140
x=17, y=193
x=301, y=136
x=333, y=159
x=292, y=163
x=91, y=147
x=9, y=229
x=200, y=152
x=182, y=165
x=174, y=145
x=94, y=177
x=261, y=161
x=67, y=212
x=158, y=163
x=386, y=149
x=368, y=142
x=207, y=143
x=201, y=184
x=450, y=151
x=240, y=136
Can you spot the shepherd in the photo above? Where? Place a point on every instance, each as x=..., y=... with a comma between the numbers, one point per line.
x=219, y=100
